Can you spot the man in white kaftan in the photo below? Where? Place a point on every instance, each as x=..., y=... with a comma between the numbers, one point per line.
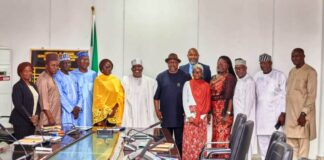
x=271, y=101
x=244, y=99
x=139, y=98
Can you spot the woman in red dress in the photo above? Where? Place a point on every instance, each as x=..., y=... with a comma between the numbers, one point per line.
x=196, y=105
x=222, y=91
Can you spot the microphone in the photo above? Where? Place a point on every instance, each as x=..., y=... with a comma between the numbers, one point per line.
x=130, y=138
x=140, y=156
x=4, y=117
x=138, y=131
x=6, y=140
x=26, y=155
x=73, y=126
x=43, y=149
x=157, y=143
x=149, y=127
x=73, y=130
x=145, y=153
x=140, y=153
x=155, y=124
x=277, y=126
x=41, y=133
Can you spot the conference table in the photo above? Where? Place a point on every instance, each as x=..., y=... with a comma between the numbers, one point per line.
x=88, y=145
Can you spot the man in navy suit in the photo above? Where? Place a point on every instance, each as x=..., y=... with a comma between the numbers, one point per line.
x=168, y=98
x=193, y=57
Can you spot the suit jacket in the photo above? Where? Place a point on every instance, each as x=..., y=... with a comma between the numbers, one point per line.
x=23, y=101
x=207, y=74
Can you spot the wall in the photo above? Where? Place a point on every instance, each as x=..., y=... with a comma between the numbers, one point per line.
x=151, y=29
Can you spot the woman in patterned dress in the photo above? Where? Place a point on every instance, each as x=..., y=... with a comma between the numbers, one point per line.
x=196, y=105
x=222, y=91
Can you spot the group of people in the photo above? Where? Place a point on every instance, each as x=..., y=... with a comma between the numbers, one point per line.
x=184, y=98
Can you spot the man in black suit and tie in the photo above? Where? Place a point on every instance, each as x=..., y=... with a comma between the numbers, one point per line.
x=193, y=57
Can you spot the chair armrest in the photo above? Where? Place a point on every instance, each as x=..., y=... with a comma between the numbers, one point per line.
x=217, y=142
x=216, y=151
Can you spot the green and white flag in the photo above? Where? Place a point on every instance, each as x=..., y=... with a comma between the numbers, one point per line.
x=94, y=47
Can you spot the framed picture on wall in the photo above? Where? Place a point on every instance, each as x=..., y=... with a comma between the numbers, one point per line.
x=38, y=59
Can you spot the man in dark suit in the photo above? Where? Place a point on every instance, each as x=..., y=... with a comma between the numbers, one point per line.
x=193, y=57
x=168, y=98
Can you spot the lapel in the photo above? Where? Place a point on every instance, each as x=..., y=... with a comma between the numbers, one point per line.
x=186, y=68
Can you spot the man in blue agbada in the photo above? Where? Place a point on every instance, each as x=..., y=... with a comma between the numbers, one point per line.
x=84, y=78
x=68, y=92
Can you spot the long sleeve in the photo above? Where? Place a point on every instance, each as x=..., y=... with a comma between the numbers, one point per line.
x=77, y=81
x=151, y=106
x=120, y=101
x=229, y=87
x=17, y=99
x=65, y=102
x=207, y=74
x=79, y=94
x=43, y=94
x=282, y=94
x=230, y=83
x=311, y=91
x=99, y=109
x=250, y=97
x=185, y=98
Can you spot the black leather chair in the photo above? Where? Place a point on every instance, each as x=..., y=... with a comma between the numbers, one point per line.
x=239, y=147
x=242, y=145
x=239, y=120
x=276, y=136
x=4, y=135
x=280, y=151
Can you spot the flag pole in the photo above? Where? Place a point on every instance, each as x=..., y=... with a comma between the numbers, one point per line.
x=93, y=13
x=93, y=10
x=93, y=43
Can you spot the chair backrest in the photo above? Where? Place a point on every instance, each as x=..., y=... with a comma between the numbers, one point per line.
x=242, y=141
x=240, y=119
x=280, y=151
x=276, y=136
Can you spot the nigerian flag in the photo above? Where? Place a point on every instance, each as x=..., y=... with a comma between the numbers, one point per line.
x=94, y=48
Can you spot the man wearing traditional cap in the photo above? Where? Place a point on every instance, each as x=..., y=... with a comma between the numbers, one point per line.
x=168, y=98
x=48, y=92
x=271, y=101
x=139, y=93
x=84, y=78
x=68, y=91
x=193, y=57
x=300, y=124
x=244, y=99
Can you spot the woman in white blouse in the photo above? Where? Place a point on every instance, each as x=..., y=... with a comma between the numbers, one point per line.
x=25, y=115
